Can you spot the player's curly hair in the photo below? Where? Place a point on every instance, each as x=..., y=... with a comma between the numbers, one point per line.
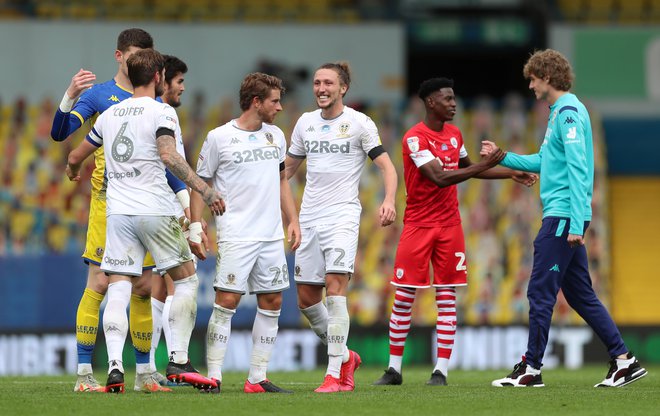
x=342, y=69
x=553, y=65
x=258, y=84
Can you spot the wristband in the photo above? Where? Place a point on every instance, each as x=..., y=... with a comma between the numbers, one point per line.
x=184, y=198
x=196, y=231
x=67, y=103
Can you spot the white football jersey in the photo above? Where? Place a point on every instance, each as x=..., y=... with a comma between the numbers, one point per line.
x=335, y=150
x=245, y=169
x=133, y=168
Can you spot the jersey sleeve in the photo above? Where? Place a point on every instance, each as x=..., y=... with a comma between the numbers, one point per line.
x=282, y=145
x=65, y=124
x=527, y=163
x=572, y=135
x=370, y=137
x=417, y=148
x=167, y=119
x=297, y=147
x=95, y=135
x=207, y=162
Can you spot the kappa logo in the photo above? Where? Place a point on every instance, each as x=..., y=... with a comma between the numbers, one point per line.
x=554, y=268
x=235, y=140
x=569, y=120
x=113, y=98
x=310, y=129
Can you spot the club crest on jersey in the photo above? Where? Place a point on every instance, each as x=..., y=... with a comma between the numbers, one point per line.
x=413, y=144
x=325, y=128
x=399, y=273
x=269, y=137
x=231, y=279
x=453, y=142
x=343, y=130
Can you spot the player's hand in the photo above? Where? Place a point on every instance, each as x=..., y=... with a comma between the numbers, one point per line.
x=294, y=237
x=525, y=178
x=387, y=213
x=493, y=158
x=487, y=147
x=213, y=199
x=74, y=175
x=198, y=241
x=575, y=240
x=80, y=82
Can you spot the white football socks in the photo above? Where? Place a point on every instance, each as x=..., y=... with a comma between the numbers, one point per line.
x=182, y=317
x=217, y=338
x=317, y=315
x=264, y=334
x=157, y=317
x=115, y=322
x=338, y=327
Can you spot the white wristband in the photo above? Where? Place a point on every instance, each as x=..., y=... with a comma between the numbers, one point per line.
x=184, y=198
x=67, y=103
x=196, y=231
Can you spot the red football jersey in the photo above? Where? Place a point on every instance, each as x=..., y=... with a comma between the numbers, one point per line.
x=427, y=205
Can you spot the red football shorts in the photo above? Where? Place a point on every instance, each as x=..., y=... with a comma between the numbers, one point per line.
x=443, y=247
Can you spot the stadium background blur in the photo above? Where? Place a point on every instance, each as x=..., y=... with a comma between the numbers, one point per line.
x=614, y=46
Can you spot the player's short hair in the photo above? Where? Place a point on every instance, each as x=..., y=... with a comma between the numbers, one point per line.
x=258, y=84
x=173, y=66
x=553, y=65
x=432, y=85
x=142, y=65
x=134, y=37
x=342, y=69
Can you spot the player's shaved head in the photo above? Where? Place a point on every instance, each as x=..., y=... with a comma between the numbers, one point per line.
x=134, y=37
x=432, y=85
x=550, y=64
x=142, y=65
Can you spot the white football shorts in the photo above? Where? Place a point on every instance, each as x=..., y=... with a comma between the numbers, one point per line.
x=251, y=266
x=128, y=237
x=326, y=249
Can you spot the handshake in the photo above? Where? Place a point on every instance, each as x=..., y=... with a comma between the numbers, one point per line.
x=491, y=155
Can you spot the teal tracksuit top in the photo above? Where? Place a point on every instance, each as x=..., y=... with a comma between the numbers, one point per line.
x=565, y=163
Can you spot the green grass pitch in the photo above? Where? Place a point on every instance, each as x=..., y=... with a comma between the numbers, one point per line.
x=567, y=392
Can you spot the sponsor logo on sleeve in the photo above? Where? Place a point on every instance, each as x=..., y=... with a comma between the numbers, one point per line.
x=413, y=144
